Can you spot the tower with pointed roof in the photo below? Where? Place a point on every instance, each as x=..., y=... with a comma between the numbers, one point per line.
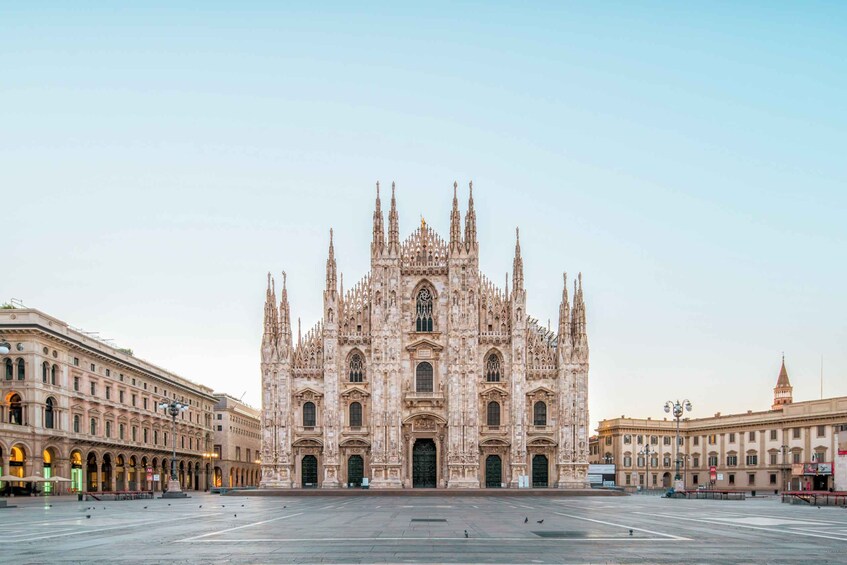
x=425, y=373
x=783, y=391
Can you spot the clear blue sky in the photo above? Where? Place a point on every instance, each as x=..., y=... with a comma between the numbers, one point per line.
x=157, y=160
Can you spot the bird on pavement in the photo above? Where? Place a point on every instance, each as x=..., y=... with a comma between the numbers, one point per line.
x=630, y=532
x=145, y=508
x=525, y=519
x=88, y=515
x=466, y=533
x=541, y=521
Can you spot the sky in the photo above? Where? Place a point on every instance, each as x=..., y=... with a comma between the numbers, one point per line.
x=158, y=159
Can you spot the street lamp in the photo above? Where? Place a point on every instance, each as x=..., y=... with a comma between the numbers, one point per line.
x=210, y=455
x=677, y=408
x=647, y=452
x=173, y=408
x=5, y=346
x=784, y=449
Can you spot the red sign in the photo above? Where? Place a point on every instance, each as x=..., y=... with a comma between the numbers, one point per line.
x=713, y=473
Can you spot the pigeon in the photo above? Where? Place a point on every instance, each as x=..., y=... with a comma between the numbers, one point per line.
x=525, y=519
x=630, y=532
x=235, y=516
x=169, y=503
x=201, y=506
x=541, y=521
x=284, y=506
x=88, y=515
x=145, y=508
x=243, y=506
x=466, y=533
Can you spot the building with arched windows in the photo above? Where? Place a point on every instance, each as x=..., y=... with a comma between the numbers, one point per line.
x=425, y=374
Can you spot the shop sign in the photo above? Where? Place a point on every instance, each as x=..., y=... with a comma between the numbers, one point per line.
x=713, y=473
x=797, y=469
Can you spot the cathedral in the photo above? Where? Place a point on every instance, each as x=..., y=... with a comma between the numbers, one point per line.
x=425, y=374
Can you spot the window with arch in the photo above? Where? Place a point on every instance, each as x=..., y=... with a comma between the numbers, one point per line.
x=21, y=370
x=309, y=415
x=423, y=311
x=49, y=414
x=45, y=370
x=357, y=368
x=54, y=370
x=92, y=427
x=355, y=415
x=423, y=377
x=9, y=369
x=76, y=423
x=16, y=411
x=539, y=413
x=493, y=414
x=492, y=369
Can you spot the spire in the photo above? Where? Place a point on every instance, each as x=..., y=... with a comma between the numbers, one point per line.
x=470, y=222
x=455, y=223
x=378, y=244
x=271, y=321
x=393, y=227
x=783, y=391
x=284, y=314
x=517, y=268
x=565, y=338
x=507, y=285
x=578, y=331
x=299, y=333
x=331, y=276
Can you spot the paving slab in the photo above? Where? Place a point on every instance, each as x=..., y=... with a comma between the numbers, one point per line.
x=412, y=529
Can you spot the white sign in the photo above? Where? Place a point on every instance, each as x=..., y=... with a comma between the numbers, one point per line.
x=595, y=479
x=720, y=476
x=608, y=483
x=601, y=469
x=156, y=477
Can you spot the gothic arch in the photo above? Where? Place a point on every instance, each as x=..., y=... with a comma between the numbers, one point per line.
x=493, y=367
x=355, y=366
x=425, y=300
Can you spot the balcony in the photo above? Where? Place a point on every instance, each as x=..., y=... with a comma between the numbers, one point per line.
x=433, y=399
x=533, y=429
x=308, y=431
x=502, y=430
x=356, y=430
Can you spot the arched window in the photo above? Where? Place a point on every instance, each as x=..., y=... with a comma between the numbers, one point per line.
x=21, y=371
x=423, y=317
x=76, y=423
x=423, y=377
x=493, y=416
x=53, y=374
x=45, y=369
x=539, y=414
x=309, y=415
x=492, y=369
x=48, y=414
x=357, y=368
x=355, y=415
x=9, y=369
x=92, y=427
x=16, y=411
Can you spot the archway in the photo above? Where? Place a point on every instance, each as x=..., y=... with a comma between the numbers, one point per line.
x=309, y=471
x=355, y=470
x=666, y=480
x=132, y=483
x=92, y=472
x=424, y=463
x=76, y=471
x=539, y=471
x=106, y=480
x=17, y=461
x=47, y=469
x=218, y=477
x=493, y=471
x=120, y=473
x=16, y=412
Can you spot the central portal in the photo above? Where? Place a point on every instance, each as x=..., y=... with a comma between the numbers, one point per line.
x=424, y=464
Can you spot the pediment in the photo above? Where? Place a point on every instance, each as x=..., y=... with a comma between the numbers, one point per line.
x=424, y=343
x=494, y=389
x=354, y=442
x=541, y=441
x=307, y=442
x=494, y=442
x=423, y=417
x=540, y=390
x=308, y=392
x=355, y=391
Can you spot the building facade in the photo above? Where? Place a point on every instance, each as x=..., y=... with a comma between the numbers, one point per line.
x=238, y=442
x=793, y=446
x=425, y=374
x=78, y=408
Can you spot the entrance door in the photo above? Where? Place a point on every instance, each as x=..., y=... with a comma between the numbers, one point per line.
x=539, y=471
x=423, y=464
x=355, y=470
x=309, y=471
x=493, y=471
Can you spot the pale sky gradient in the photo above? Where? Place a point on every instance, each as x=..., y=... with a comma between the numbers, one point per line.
x=157, y=160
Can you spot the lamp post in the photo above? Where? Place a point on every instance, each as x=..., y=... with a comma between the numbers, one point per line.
x=259, y=463
x=784, y=449
x=173, y=408
x=647, y=452
x=210, y=455
x=677, y=407
x=5, y=346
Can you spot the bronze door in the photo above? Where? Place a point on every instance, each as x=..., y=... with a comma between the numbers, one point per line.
x=539, y=471
x=493, y=471
x=423, y=464
x=309, y=468
x=355, y=470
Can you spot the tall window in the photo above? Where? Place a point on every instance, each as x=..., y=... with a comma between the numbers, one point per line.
x=539, y=414
x=423, y=377
x=357, y=368
x=309, y=415
x=45, y=370
x=53, y=376
x=16, y=411
x=355, y=415
x=76, y=423
x=21, y=371
x=493, y=416
x=48, y=413
x=492, y=369
x=423, y=318
x=9, y=369
x=92, y=427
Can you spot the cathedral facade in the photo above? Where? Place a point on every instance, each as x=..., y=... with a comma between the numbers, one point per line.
x=425, y=374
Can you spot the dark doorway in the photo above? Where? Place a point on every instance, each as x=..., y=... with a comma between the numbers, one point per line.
x=423, y=464
x=309, y=468
x=539, y=471
x=355, y=470
x=493, y=471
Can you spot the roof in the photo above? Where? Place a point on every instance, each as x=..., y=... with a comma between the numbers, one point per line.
x=783, y=376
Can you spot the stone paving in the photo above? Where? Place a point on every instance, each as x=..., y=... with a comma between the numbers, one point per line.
x=405, y=529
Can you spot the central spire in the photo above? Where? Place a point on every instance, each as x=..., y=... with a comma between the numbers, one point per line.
x=331, y=274
x=393, y=226
x=470, y=223
x=517, y=265
x=455, y=223
x=378, y=244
